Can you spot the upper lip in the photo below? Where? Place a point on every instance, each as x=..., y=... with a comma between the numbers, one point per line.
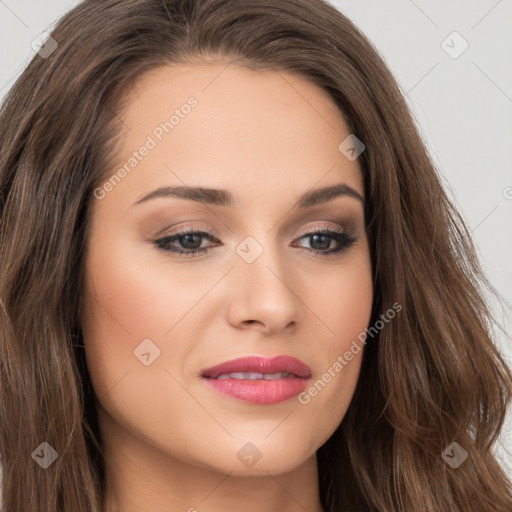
x=259, y=364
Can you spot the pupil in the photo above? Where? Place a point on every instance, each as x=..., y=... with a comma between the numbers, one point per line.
x=187, y=239
x=325, y=245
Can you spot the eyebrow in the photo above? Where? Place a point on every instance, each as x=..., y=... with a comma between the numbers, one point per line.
x=222, y=197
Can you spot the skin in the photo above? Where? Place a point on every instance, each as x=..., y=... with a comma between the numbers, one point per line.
x=171, y=443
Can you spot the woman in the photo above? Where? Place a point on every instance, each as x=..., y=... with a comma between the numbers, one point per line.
x=231, y=277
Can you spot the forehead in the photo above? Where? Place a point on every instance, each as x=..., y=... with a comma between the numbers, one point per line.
x=226, y=126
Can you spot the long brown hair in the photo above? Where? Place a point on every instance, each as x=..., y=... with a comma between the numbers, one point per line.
x=430, y=377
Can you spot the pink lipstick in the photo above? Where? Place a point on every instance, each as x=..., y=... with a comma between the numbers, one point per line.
x=257, y=379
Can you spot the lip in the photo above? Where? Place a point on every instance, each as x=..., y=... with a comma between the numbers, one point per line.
x=260, y=364
x=257, y=391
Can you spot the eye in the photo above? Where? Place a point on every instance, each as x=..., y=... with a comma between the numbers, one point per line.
x=191, y=240
x=321, y=239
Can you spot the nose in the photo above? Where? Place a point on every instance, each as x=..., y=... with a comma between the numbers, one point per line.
x=262, y=296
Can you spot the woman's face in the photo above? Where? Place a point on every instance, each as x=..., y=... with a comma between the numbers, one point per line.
x=155, y=317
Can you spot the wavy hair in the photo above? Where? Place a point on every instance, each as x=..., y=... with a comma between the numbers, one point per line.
x=432, y=376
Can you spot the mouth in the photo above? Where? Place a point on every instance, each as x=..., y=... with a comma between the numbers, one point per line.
x=259, y=367
x=255, y=376
x=258, y=380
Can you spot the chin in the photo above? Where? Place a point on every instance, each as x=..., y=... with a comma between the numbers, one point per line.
x=255, y=459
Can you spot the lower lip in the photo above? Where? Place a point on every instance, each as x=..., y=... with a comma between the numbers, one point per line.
x=261, y=392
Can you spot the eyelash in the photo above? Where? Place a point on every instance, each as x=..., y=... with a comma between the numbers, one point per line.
x=345, y=239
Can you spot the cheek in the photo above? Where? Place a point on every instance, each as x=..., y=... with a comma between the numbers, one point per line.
x=346, y=305
x=345, y=301
x=129, y=297
x=123, y=305
x=355, y=306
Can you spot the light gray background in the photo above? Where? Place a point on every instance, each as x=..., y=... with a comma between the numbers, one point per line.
x=463, y=106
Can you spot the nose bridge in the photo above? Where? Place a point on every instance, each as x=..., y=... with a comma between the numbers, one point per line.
x=261, y=259
x=263, y=289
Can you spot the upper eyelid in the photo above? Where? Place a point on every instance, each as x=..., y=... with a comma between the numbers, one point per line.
x=346, y=215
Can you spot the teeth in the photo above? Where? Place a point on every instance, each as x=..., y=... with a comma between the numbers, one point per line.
x=255, y=376
x=278, y=375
